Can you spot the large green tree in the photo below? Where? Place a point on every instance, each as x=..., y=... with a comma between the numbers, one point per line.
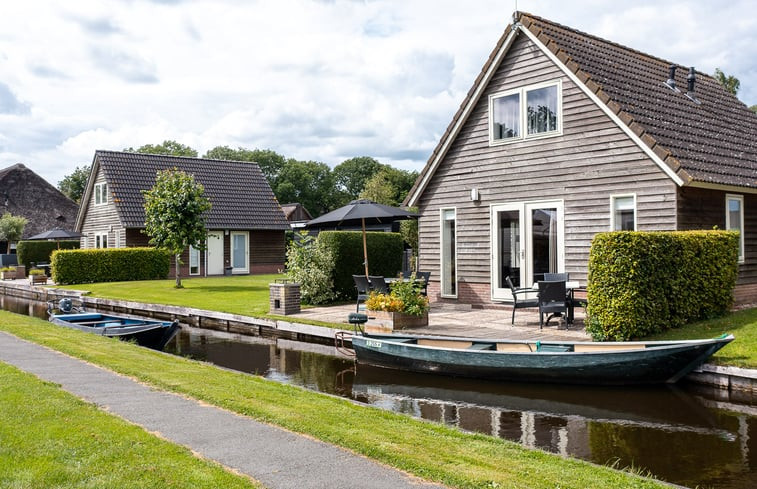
x=175, y=210
x=270, y=162
x=168, y=147
x=729, y=82
x=11, y=228
x=308, y=182
x=389, y=186
x=351, y=175
x=73, y=184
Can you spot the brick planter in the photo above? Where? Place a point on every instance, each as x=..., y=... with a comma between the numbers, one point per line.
x=396, y=320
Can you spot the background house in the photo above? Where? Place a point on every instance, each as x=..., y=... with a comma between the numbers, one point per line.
x=564, y=135
x=296, y=214
x=24, y=193
x=246, y=226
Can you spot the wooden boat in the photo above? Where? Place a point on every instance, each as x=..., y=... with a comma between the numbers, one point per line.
x=632, y=362
x=151, y=333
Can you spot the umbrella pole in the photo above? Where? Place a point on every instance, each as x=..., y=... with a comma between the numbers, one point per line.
x=365, y=250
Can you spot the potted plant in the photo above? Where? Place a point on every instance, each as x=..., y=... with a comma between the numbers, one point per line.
x=37, y=276
x=7, y=273
x=403, y=307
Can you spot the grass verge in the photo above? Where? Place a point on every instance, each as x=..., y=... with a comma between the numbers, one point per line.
x=49, y=438
x=427, y=450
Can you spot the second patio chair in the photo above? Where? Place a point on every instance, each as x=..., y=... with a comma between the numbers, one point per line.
x=552, y=300
x=363, y=289
x=378, y=284
x=522, y=301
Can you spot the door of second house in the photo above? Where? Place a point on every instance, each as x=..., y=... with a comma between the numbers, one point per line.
x=527, y=241
x=215, y=253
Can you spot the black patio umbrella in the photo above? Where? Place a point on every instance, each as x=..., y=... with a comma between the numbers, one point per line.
x=361, y=212
x=56, y=234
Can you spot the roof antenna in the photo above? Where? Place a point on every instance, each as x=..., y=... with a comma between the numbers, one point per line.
x=671, y=82
x=691, y=79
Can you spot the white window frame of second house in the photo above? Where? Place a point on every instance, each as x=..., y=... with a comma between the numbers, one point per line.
x=613, y=211
x=101, y=239
x=101, y=193
x=737, y=226
x=451, y=274
x=522, y=93
x=194, y=260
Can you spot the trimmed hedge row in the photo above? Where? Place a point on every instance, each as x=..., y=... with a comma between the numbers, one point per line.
x=641, y=283
x=41, y=251
x=384, y=256
x=109, y=265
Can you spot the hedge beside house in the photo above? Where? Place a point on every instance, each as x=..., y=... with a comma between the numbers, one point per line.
x=109, y=265
x=641, y=283
x=41, y=251
x=384, y=256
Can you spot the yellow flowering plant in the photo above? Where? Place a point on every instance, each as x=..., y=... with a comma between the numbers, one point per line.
x=405, y=297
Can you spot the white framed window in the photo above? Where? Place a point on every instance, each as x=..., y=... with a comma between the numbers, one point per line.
x=448, y=257
x=734, y=219
x=194, y=261
x=101, y=240
x=101, y=193
x=533, y=111
x=623, y=212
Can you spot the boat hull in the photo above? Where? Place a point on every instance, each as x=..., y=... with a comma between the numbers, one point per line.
x=655, y=362
x=146, y=332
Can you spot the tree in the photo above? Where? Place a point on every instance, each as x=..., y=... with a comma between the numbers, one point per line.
x=174, y=214
x=730, y=82
x=11, y=228
x=308, y=182
x=168, y=147
x=73, y=185
x=389, y=186
x=351, y=175
x=270, y=162
x=753, y=108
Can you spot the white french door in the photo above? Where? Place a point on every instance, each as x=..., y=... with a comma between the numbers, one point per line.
x=527, y=240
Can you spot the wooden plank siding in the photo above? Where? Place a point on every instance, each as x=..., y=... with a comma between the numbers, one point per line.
x=592, y=160
x=101, y=219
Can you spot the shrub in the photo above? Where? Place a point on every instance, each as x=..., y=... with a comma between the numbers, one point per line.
x=311, y=265
x=384, y=257
x=404, y=297
x=109, y=265
x=41, y=251
x=36, y=271
x=641, y=283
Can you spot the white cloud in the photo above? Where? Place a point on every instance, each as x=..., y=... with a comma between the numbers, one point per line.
x=312, y=80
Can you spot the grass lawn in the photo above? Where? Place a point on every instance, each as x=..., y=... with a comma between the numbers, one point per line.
x=49, y=438
x=742, y=352
x=428, y=450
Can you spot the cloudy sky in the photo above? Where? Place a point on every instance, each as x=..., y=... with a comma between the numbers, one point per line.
x=313, y=80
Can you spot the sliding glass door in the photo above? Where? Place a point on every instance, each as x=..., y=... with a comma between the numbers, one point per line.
x=527, y=242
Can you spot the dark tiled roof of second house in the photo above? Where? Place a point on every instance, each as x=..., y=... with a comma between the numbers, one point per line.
x=240, y=195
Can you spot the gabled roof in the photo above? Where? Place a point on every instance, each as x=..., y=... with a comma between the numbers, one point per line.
x=240, y=195
x=711, y=143
x=296, y=212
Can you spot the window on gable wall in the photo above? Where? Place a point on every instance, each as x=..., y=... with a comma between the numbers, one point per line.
x=734, y=219
x=623, y=212
x=101, y=193
x=537, y=108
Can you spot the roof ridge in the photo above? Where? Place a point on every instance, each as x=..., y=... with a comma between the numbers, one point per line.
x=191, y=158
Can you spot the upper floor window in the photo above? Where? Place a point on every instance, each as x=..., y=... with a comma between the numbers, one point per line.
x=527, y=112
x=101, y=193
x=623, y=213
x=734, y=219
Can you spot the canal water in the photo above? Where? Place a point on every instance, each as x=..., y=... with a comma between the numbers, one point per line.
x=688, y=435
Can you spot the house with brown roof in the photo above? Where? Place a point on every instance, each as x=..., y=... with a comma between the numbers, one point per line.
x=24, y=193
x=296, y=214
x=564, y=135
x=246, y=226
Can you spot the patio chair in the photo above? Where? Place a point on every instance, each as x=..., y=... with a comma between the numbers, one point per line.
x=556, y=277
x=523, y=301
x=552, y=300
x=363, y=289
x=425, y=276
x=378, y=284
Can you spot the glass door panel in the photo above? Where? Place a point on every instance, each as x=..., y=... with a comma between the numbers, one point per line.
x=507, y=249
x=543, y=242
x=449, y=252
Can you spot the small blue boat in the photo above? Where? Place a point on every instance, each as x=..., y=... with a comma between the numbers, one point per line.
x=151, y=333
x=632, y=362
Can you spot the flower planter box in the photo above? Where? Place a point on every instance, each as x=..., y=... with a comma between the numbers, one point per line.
x=397, y=320
x=37, y=279
x=7, y=275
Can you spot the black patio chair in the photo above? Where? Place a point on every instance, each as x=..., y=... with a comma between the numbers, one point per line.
x=552, y=300
x=556, y=277
x=520, y=302
x=378, y=284
x=425, y=276
x=363, y=289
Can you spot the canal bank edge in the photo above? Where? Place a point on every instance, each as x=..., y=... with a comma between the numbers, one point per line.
x=732, y=379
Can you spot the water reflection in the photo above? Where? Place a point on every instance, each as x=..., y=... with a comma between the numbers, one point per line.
x=680, y=434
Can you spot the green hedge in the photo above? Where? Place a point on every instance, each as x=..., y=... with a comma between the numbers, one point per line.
x=641, y=283
x=384, y=256
x=41, y=251
x=109, y=265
